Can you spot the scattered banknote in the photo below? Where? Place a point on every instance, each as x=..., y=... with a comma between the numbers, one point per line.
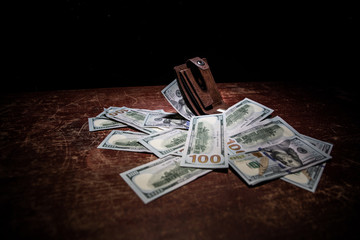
x=166, y=120
x=205, y=143
x=159, y=177
x=291, y=155
x=103, y=123
x=132, y=117
x=172, y=93
x=321, y=145
x=267, y=133
x=165, y=143
x=309, y=178
x=295, y=154
x=255, y=167
x=244, y=113
x=273, y=131
x=124, y=141
x=103, y=113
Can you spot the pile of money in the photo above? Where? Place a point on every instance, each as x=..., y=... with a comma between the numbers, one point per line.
x=258, y=148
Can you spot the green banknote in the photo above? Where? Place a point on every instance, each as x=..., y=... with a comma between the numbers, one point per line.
x=165, y=143
x=244, y=113
x=266, y=133
x=309, y=178
x=157, y=178
x=103, y=123
x=165, y=120
x=124, y=141
x=205, y=143
x=173, y=95
x=289, y=156
x=132, y=117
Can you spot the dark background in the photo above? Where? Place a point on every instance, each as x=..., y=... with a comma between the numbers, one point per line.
x=89, y=44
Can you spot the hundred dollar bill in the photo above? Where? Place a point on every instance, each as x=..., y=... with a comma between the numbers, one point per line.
x=291, y=155
x=124, y=141
x=205, y=146
x=130, y=116
x=244, y=113
x=164, y=143
x=103, y=113
x=308, y=179
x=266, y=133
x=255, y=167
x=172, y=93
x=159, y=177
x=295, y=154
x=103, y=123
x=321, y=145
x=166, y=120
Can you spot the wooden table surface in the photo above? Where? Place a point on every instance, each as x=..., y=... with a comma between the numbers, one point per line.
x=56, y=184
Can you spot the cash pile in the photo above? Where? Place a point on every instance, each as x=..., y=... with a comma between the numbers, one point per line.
x=256, y=147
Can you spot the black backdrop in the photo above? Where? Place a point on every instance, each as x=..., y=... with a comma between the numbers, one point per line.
x=88, y=44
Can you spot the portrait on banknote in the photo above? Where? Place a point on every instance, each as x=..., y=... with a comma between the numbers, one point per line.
x=285, y=154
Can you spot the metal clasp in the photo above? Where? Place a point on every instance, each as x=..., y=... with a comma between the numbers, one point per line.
x=200, y=62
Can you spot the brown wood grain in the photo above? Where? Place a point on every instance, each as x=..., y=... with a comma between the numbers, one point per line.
x=56, y=184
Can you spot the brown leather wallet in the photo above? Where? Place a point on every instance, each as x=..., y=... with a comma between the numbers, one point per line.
x=198, y=87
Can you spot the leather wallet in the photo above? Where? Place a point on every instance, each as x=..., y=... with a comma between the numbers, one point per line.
x=198, y=87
